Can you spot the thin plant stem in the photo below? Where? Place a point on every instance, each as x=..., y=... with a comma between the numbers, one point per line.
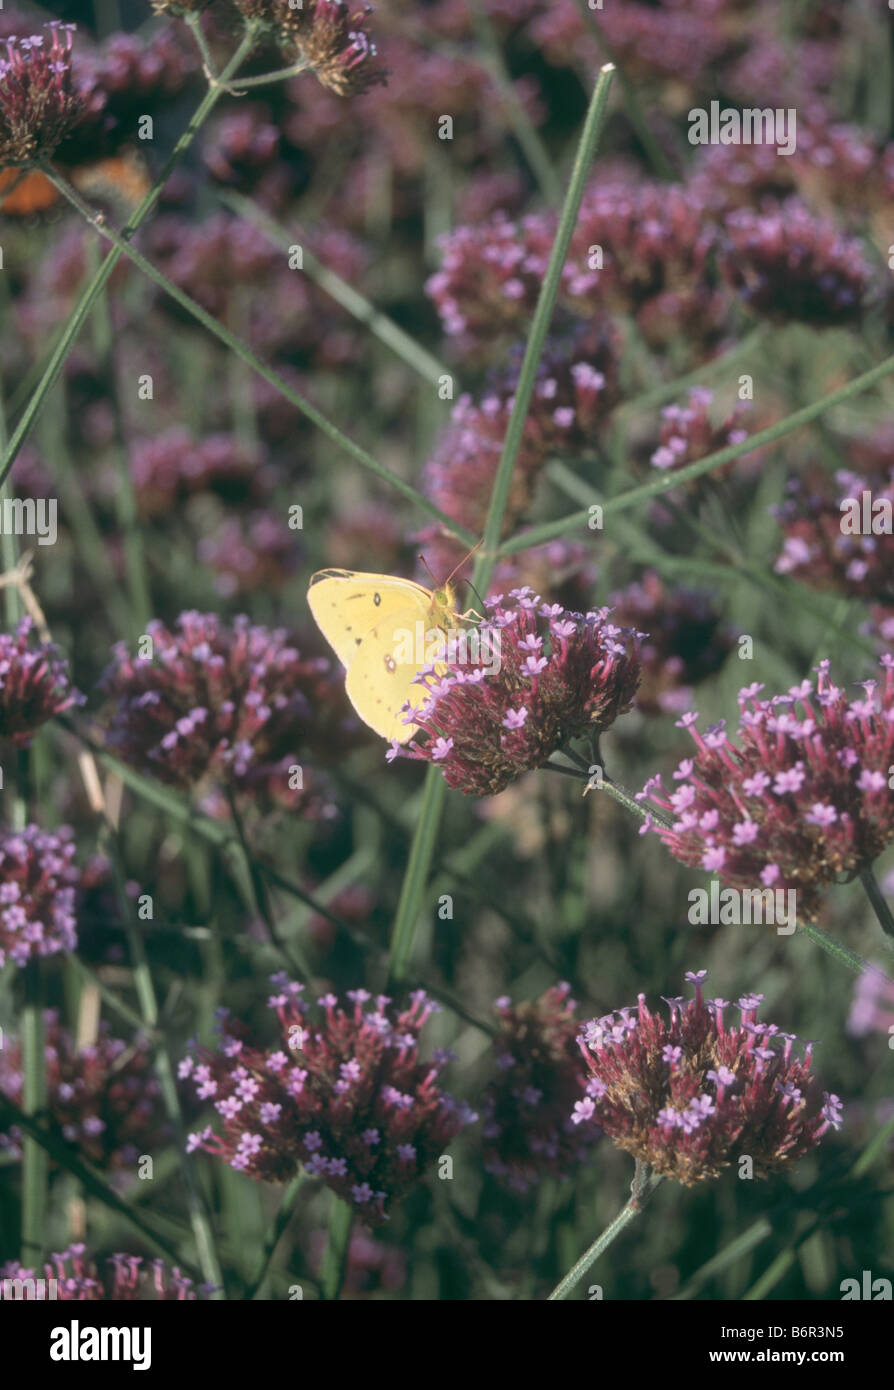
x=243, y=351
x=98, y=282
x=125, y=493
x=284, y=1214
x=836, y=949
x=260, y=893
x=878, y=900
x=641, y=1189
x=536, y=535
x=336, y=1257
x=265, y=78
x=34, y=1097
x=657, y=158
x=718, y=366
x=380, y=325
x=546, y=302
x=526, y=133
x=9, y=550
x=409, y=905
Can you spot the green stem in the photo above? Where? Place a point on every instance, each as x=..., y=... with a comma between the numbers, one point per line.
x=98, y=282
x=258, y=897
x=242, y=350
x=416, y=876
x=265, y=78
x=837, y=950
x=280, y=1222
x=669, y=481
x=526, y=133
x=409, y=906
x=546, y=302
x=879, y=902
x=641, y=1189
x=380, y=325
x=34, y=1097
x=125, y=493
x=336, y=1257
x=657, y=158
x=9, y=550
x=718, y=366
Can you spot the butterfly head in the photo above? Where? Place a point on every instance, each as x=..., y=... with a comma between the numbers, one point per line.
x=443, y=603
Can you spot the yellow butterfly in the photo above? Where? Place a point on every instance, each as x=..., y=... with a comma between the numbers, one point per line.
x=374, y=623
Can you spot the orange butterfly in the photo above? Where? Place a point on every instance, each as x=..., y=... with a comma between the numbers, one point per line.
x=122, y=182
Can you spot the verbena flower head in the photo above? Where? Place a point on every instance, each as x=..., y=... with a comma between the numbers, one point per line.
x=331, y=35
x=105, y=1097
x=526, y=1109
x=689, y=433
x=37, y=893
x=34, y=685
x=545, y=676
x=817, y=550
x=788, y=264
x=126, y=1278
x=173, y=466
x=38, y=106
x=801, y=800
x=656, y=242
x=692, y=1095
x=345, y=1093
x=229, y=704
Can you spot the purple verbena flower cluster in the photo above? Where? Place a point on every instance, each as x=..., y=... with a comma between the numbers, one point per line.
x=37, y=893
x=72, y=1276
x=345, y=1094
x=38, y=104
x=34, y=685
x=690, y=1096
x=544, y=677
x=802, y=800
x=104, y=1096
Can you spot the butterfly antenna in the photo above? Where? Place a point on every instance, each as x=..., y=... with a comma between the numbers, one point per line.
x=428, y=567
x=461, y=563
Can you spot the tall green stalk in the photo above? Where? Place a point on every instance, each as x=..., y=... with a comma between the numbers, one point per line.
x=641, y=1189
x=410, y=904
x=335, y=1259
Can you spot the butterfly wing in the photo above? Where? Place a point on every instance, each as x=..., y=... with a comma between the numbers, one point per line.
x=347, y=604
x=382, y=675
x=370, y=621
